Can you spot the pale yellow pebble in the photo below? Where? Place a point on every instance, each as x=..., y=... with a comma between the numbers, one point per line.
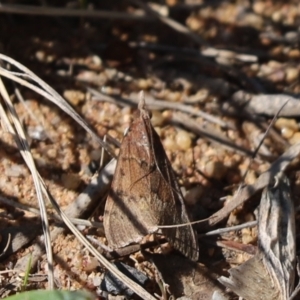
x=259, y=7
x=74, y=97
x=183, y=140
x=287, y=133
x=157, y=118
x=295, y=138
x=277, y=16
x=247, y=236
x=143, y=84
x=169, y=143
x=291, y=75
x=52, y=153
x=40, y=56
x=214, y=169
x=173, y=96
x=96, y=60
x=194, y=23
x=282, y=123
x=251, y=177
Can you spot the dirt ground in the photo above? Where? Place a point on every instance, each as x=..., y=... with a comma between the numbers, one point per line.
x=209, y=134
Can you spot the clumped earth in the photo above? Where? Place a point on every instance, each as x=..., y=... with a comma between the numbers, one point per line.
x=195, y=83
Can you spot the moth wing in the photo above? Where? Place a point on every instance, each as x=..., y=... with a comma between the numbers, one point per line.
x=128, y=215
x=164, y=185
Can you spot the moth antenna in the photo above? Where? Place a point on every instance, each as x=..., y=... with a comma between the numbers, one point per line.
x=142, y=106
x=142, y=102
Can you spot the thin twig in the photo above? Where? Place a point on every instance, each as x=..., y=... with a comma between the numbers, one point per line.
x=16, y=129
x=228, y=229
x=154, y=104
x=35, y=211
x=69, y=12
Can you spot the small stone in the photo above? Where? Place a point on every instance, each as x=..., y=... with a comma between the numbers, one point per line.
x=143, y=84
x=173, y=96
x=157, y=118
x=97, y=60
x=215, y=169
x=51, y=153
x=15, y=171
x=183, y=140
x=194, y=23
x=74, y=97
x=247, y=237
x=277, y=16
x=169, y=143
x=89, y=263
x=294, y=53
x=295, y=139
x=251, y=177
x=259, y=7
x=287, y=133
x=283, y=123
x=40, y=56
x=291, y=75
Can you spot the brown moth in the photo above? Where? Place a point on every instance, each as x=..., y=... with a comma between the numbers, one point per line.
x=145, y=193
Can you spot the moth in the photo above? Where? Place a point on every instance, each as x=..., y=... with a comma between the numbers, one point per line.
x=145, y=193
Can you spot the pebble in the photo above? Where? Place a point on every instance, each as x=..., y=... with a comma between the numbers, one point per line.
x=89, y=263
x=295, y=138
x=169, y=143
x=273, y=70
x=247, y=236
x=194, y=23
x=97, y=60
x=294, y=53
x=251, y=177
x=144, y=84
x=157, y=119
x=40, y=55
x=277, y=16
x=214, y=169
x=287, y=133
x=284, y=123
x=291, y=74
x=52, y=153
x=74, y=97
x=173, y=96
x=183, y=140
x=259, y=7
x=15, y=171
